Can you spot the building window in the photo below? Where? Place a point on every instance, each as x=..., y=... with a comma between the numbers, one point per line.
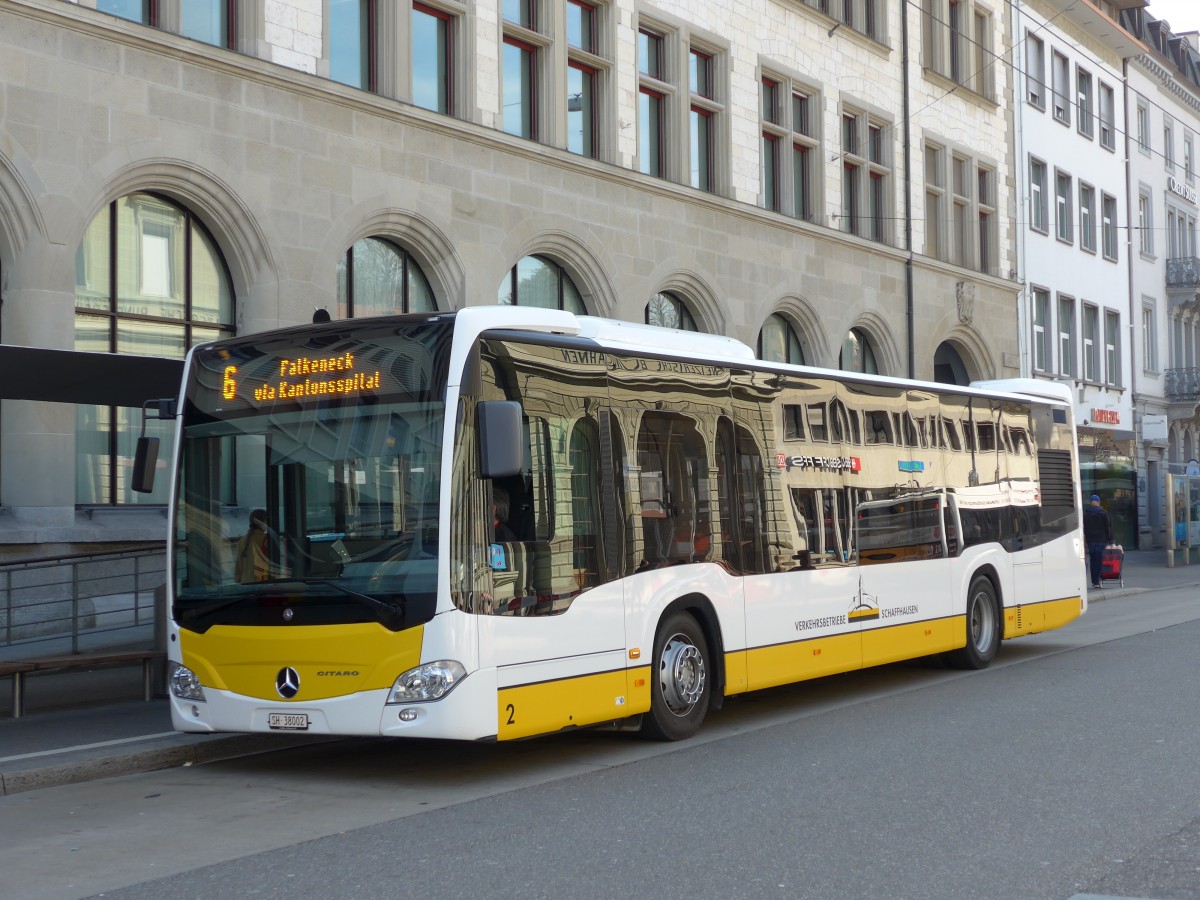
x=1091, y=328
x=653, y=93
x=1039, y=215
x=1064, y=196
x=586, y=69
x=150, y=281
x=667, y=310
x=1041, y=325
x=1087, y=217
x=208, y=21
x=432, y=32
x=144, y=11
x=790, y=147
x=1145, y=224
x=988, y=236
x=864, y=16
x=866, y=176
x=520, y=86
x=1189, y=157
x=352, y=45
x=1060, y=74
x=541, y=282
x=857, y=353
x=1035, y=70
x=1107, y=117
x=1112, y=349
x=778, y=341
x=957, y=41
x=935, y=200
x=1149, y=336
x=1085, y=121
x=961, y=240
x=524, y=55
x=1143, y=125
x=703, y=117
x=1108, y=225
x=378, y=278
x=1168, y=144
x=1066, y=336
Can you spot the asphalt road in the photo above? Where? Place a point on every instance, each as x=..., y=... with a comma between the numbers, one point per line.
x=1068, y=768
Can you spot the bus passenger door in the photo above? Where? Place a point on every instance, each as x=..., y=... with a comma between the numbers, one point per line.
x=798, y=622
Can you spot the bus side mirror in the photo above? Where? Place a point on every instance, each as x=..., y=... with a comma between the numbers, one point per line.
x=500, y=436
x=145, y=454
x=145, y=458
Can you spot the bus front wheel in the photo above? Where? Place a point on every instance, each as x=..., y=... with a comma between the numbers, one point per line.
x=983, y=627
x=680, y=682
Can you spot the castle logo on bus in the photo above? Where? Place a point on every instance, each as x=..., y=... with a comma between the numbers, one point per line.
x=820, y=463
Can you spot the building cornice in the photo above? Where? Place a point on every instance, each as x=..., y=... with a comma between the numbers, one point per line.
x=1155, y=68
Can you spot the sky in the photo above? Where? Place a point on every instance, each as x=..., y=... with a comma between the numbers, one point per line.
x=1182, y=15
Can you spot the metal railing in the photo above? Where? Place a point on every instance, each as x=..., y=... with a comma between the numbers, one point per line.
x=1182, y=384
x=1183, y=271
x=86, y=602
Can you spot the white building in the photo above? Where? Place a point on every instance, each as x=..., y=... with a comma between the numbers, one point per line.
x=1072, y=243
x=1163, y=98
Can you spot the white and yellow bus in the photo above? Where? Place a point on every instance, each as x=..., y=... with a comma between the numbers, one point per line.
x=505, y=522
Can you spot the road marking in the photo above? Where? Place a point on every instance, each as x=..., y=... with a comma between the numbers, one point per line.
x=128, y=740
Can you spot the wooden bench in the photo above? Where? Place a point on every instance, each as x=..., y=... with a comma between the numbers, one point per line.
x=19, y=668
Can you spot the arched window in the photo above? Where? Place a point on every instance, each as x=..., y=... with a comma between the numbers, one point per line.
x=948, y=366
x=669, y=311
x=538, y=281
x=377, y=278
x=857, y=354
x=149, y=281
x=778, y=342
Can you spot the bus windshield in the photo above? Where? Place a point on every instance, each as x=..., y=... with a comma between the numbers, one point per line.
x=317, y=509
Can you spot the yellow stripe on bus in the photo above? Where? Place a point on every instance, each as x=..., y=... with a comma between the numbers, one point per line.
x=551, y=706
x=910, y=640
x=331, y=660
x=1031, y=618
x=801, y=660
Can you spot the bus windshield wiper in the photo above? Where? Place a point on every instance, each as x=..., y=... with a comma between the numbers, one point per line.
x=385, y=612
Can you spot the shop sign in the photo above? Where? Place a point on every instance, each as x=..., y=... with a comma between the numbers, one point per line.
x=1106, y=416
x=1175, y=186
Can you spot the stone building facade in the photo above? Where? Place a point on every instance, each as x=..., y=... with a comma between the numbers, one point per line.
x=740, y=168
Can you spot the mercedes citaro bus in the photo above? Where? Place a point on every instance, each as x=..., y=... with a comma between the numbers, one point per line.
x=504, y=522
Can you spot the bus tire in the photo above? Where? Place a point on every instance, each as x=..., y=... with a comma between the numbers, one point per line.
x=680, y=680
x=983, y=627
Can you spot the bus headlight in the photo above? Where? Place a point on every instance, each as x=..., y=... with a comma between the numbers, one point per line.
x=431, y=681
x=184, y=683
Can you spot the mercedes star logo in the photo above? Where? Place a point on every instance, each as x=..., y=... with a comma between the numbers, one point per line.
x=287, y=683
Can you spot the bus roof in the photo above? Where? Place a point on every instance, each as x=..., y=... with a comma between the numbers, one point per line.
x=654, y=340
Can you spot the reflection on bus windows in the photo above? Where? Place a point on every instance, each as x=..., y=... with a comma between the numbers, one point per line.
x=673, y=484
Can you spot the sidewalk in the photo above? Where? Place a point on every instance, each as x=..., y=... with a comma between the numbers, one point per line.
x=81, y=726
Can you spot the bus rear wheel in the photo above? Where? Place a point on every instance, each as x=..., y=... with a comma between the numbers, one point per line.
x=680, y=682
x=983, y=627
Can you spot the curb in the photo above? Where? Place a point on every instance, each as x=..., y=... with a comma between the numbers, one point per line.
x=192, y=752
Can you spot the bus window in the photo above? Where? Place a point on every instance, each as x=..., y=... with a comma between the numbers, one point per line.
x=584, y=456
x=906, y=529
x=674, y=491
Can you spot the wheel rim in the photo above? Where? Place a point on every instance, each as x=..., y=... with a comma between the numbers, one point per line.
x=983, y=622
x=681, y=674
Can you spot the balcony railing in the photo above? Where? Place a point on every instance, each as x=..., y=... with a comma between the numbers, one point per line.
x=1183, y=384
x=1183, y=271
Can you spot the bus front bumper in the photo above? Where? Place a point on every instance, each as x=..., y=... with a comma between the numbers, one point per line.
x=468, y=712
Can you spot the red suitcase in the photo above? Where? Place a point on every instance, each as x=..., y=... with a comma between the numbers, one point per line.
x=1111, y=565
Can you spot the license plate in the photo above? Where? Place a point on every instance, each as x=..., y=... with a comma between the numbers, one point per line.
x=288, y=721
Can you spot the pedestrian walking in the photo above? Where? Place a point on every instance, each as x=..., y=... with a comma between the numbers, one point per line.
x=1097, y=534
